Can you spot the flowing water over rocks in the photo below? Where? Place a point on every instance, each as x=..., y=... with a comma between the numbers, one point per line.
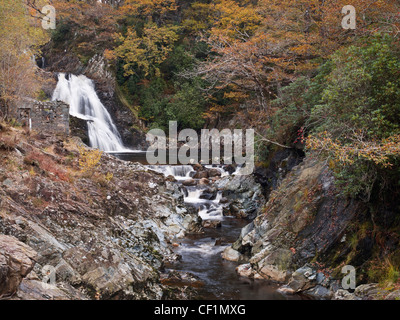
x=199, y=262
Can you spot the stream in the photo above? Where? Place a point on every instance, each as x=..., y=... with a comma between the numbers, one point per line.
x=201, y=253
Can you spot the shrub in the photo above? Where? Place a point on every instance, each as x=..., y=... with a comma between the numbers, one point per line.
x=89, y=160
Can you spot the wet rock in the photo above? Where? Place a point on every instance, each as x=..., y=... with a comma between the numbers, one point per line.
x=204, y=181
x=243, y=196
x=220, y=241
x=302, y=279
x=344, y=295
x=170, y=178
x=320, y=293
x=200, y=175
x=231, y=254
x=214, y=173
x=211, y=224
x=198, y=167
x=79, y=128
x=223, y=200
x=273, y=273
x=230, y=168
x=209, y=194
x=286, y=290
x=214, y=179
x=244, y=270
x=189, y=182
x=280, y=163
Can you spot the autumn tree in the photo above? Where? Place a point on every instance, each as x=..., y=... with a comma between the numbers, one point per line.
x=146, y=52
x=20, y=38
x=86, y=27
x=258, y=49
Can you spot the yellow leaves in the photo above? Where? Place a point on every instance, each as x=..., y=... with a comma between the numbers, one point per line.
x=89, y=160
x=148, y=51
x=199, y=17
x=20, y=39
x=110, y=55
x=234, y=21
x=302, y=49
x=223, y=18
x=235, y=95
x=109, y=176
x=379, y=152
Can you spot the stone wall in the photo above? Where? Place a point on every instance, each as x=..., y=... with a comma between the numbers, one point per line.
x=50, y=116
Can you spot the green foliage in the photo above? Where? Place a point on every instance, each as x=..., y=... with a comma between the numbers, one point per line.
x=167, y=96
x=363, y=91
x=187, y=106
x=361, y=104
x=153, y=103
x=61, y=33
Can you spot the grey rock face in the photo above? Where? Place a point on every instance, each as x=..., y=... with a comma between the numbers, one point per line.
x=303, y=217
x=242, y=194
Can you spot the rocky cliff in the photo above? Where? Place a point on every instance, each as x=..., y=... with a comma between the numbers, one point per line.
x=306, y=233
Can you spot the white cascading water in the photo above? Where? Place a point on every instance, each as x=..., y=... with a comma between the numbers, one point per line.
x=207, y=209
x=79, y=92
x=178, y=172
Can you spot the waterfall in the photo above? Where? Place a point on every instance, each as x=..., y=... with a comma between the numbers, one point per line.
x=79, y=92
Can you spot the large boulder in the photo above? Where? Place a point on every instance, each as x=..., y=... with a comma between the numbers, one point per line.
x=16, y=261
x=243, y=196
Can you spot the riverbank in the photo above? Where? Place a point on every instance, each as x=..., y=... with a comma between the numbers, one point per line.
x=105, y=230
